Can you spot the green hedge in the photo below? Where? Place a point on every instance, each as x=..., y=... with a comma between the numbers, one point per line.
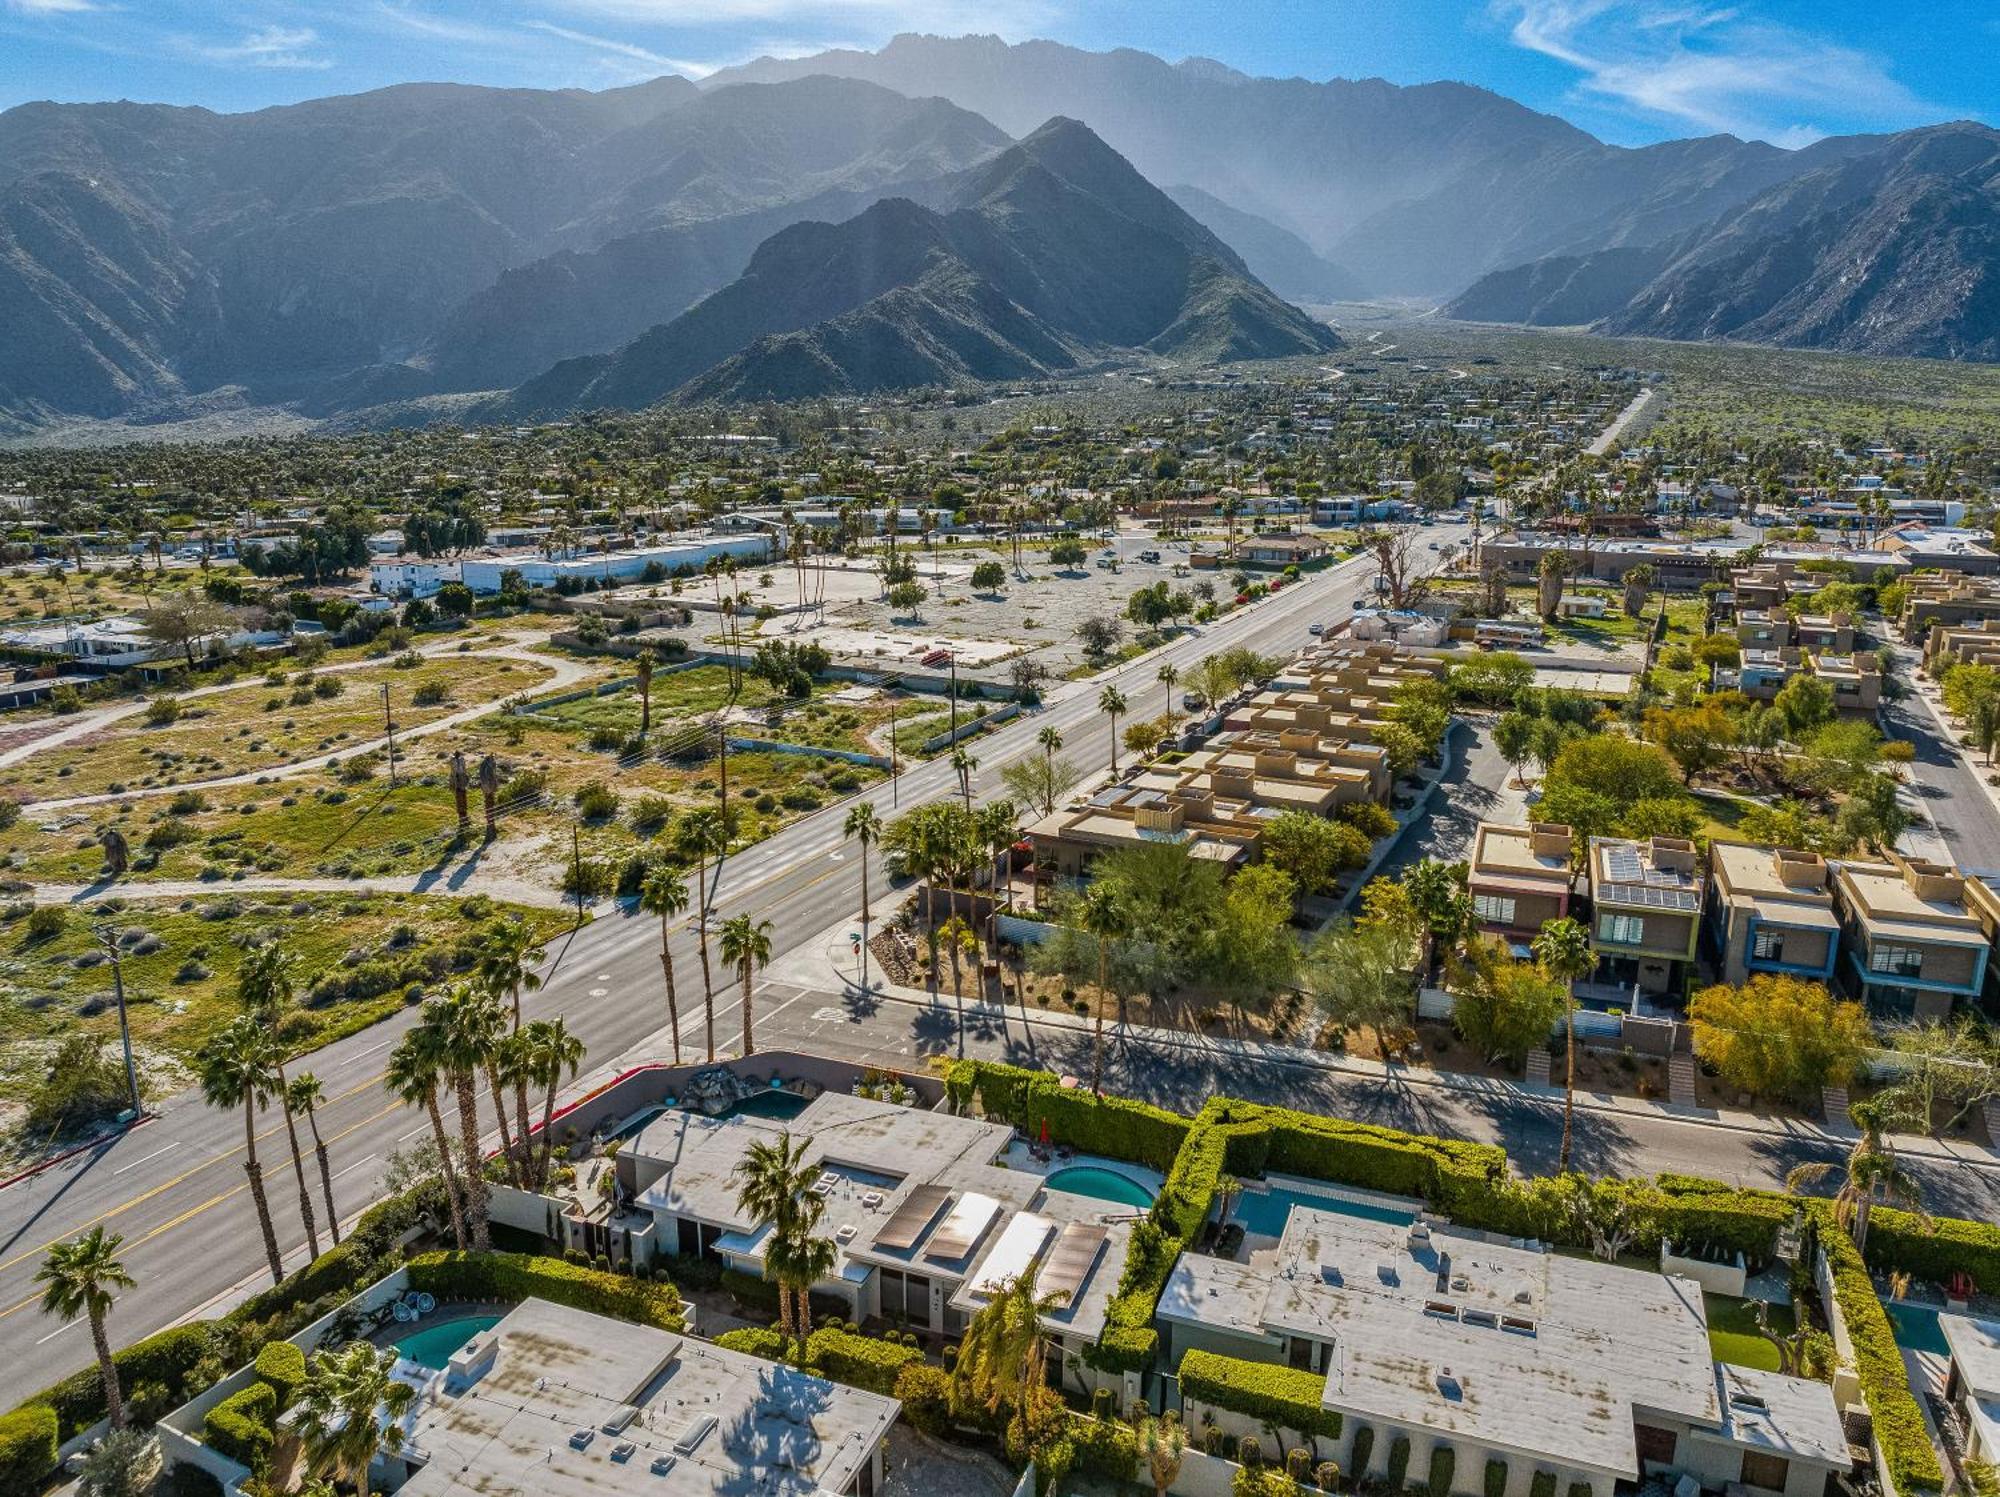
x=166, y=1358
x=1105, y=1448
x=27, y=1449
x=1878, y=1362
x=1283, y=1396
x=768, y=1342
x=1934, y=1250
x=240, y=1426
x=859, y=1361
x=1362, y=1449
x=1444, y=1465
x=283, y=1366
x=1579, y=1489
x=1543, y=1484
x=1496, y=1479
x=512, y=1277
x=1113, y=1126
x=925, y=1394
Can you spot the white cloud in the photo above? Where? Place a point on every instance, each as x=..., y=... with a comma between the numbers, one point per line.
x=649, y=62
x=1711, y=67
x=1014, y=19
x=268, y=47
x=49, y=7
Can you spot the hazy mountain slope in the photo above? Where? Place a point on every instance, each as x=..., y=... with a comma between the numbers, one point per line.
x=1412, y=189
x=1893, y=252
x=1053, y=250
x=1275, y=255
x=295, y=250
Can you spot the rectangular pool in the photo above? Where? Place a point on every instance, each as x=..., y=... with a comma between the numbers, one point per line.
x=1265, y=1212
x=1916, y=1327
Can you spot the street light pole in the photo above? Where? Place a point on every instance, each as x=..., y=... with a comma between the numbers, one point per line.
x=954, y=696
x=110, y=941
x=895, y=783
x=389, y=731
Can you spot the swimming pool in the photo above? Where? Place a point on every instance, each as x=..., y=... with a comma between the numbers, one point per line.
x=1101, y=1184
x=1916, y=1326
x=782, y=1106
x=432, y=1345
x=1264, y=1212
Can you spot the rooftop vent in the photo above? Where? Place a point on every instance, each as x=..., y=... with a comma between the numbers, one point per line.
x=1449, y=1385
x=1420, y=1235
x=1520, y=1325
x=581, y=1439
x=1444, y=1309
x=1386, y=1272
x=825, y=1183
x=845, y=1232
x=662, y=1464
x=696, y=1433
x=620, y=1421
x=1329, y=1273
x=872, y=1199
x=623, y=1451
x=1741, y=1399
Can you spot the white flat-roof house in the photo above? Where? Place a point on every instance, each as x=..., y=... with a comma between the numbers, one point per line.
x=926, y=1217
x=400, y=577
x=563, y=1403
x=1972, y=1386
x=482, y=573
x=1591, y=1371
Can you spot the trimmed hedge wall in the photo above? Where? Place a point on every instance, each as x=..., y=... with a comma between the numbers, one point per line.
x=1878, y=1362
x=1896, y=1239
x=240, y=1426
x=1399, y=1462
x=512, y=1277
x=1114, y=1126
x=166, y=1358
x=27, y=1449
x=1496, y=1479
x=283, y=1366
x=1283, y=1396
x=859, y=1361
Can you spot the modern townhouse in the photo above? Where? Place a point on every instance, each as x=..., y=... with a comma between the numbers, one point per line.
x=1830, y=633
x=1977, y=643
x=1520, y=878
x=1950, y=599
x=1645, y=912
x=1215, y=829
x=1856, y=678
x=1972, y=1384
x=1503, y=1366
x=1763, y=628
x=1770, y=910
x=1916, y=936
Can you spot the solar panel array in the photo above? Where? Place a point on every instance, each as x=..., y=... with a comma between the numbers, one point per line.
x=1071, y=1260
x=1650, y=896
x=900, y=1233
x=969, y=1218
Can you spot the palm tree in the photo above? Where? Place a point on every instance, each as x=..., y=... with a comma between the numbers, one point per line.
x=1167, y=675
x=469, y=1023
x=1549, y=583
x=644, y=665
x=303, y=1094
x=415, y=1071
x=864, y=825
x=1051, y=740
x=1563, y=950
x=1163, y=1444
x=746, y=946
x=958, y=939
x=1001, y=1363
x=665, y=893
x=81, y=1275
x=350, y=1406
x=1111, y=702
x=1871, y=1177
x=702, y=834
x=1104, y=917
x=998, y=825
x=506, y=965
x=238, y=1068
x=962, y=765
x=796, y=1260
x=264, y=988
x=551, y=1050
x=773, y=1184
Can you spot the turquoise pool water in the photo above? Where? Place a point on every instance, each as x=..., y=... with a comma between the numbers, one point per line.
x=432, y=1345
x=1265, y=1212
x=1916, y=1327
x=1101, y=1184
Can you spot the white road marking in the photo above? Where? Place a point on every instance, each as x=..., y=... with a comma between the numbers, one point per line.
x=370, y=1159
x=154, y=1155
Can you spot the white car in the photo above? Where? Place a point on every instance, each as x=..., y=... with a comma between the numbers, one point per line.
x=1315, y=628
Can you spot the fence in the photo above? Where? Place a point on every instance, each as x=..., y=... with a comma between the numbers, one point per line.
x=972, y=725
x=806, y=750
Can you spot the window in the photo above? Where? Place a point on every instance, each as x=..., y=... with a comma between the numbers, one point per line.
x=1901, y=961
x=1762, y=1469
x=1626, y=930
x=1656, y=1445
x=1493, y=908
x=906, y=1297
x=1768, y=945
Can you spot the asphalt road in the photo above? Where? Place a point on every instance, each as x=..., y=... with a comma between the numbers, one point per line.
x=175, y=1187
x=1949, y=791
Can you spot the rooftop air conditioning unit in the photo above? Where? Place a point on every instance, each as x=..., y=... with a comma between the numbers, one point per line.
x=845, y=1233
x=581, y=1439
x=872, y=1199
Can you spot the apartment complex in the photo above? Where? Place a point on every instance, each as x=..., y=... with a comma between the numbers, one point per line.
x=1215, y=829
x=1951, y=599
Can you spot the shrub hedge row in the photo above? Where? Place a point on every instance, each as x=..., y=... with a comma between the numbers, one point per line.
x=27, y=1449
x=1115, y=1126
x=1901, y=1240
x=511, y=1277
x=283, y=1366
x=1282, y=1396
x=240, y=1426
x=859, y=1361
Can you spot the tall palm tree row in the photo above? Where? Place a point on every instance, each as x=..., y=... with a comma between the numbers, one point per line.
x=506, y=966
x=468, y=1023
x=702, y=835
x=238, y=1068
x=665, y=893
x=863, y=825
x=81, y=1275
x=264, y=988
x=551, y=1050
x=1103, y=916
x=415, y=1072
x=303, y=1094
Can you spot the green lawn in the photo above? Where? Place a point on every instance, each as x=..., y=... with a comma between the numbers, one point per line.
x=1723, y=813
x=1732, y=1332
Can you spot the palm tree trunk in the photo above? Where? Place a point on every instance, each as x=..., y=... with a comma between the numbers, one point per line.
x=506, y=1132
x=475, y=1174
x=749, y=1039
x=107, y=1371
x=325, y=1176
x=524, y=1140
x=1569, y=1090
x=707, y=992
x=548, y=1143
x=298, y=1168
x=256, y=1173
x=1097, y=1041
x=454, y=1191
x=1861, y=1213
x=673, y=1003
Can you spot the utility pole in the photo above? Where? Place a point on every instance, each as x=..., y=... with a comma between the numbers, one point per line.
x=954, y=696
x=389, y=731
x=110, y=940
x=576, y=867
x=895, y=784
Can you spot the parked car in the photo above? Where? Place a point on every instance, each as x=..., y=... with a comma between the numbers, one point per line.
x=1193, y=701
x=1315, y=628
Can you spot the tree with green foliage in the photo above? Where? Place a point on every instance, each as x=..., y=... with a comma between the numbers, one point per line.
x=550, y=1051
x=1779, y=1036
x=414, y=1074
x=1504, y=1008
x=1111, y=702
x=1872, y=1176
x=1698, y=737
x=238, y=1068
x=1514, y=736
x=1358, y=974
x=1803, y=704
x=988, y=577
x=82, y=1276
x=1312, y=850
x=774, y=1189
x=746, y=946
x=1104, y=916
x=349, y=1408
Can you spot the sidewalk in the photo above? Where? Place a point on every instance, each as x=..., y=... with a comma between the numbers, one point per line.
x=825, y=963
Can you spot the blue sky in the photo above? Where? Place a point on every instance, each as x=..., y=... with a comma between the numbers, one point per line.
x=1631, y=71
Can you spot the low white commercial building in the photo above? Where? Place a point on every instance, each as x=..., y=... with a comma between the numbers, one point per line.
x=482, y=573
x=407, y=578
x=1593, y=1372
